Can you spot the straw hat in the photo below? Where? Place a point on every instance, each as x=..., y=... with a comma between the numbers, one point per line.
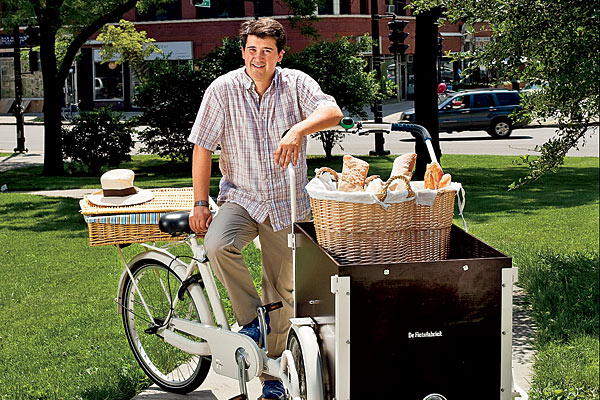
x=118, y=190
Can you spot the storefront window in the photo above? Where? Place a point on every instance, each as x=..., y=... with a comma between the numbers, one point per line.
x=108, y=81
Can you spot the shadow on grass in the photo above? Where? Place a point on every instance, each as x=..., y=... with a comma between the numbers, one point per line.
x=42, y=214
x=150, y=172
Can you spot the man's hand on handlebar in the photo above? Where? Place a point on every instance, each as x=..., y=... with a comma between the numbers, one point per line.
x=200, y=219
x=289, y=148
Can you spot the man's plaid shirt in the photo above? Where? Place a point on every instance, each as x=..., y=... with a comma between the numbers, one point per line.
x=249, y=130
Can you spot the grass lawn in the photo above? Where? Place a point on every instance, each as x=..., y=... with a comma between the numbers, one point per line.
x=62, y=337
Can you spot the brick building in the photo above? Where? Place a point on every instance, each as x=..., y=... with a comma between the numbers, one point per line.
x=189, y=32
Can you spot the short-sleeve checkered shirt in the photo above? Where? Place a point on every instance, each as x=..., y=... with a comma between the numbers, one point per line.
x=249, y=130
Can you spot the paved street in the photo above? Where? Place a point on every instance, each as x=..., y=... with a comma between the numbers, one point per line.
x=522, y=141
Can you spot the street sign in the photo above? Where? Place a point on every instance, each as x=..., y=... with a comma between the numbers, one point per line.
x=7, y=41
x=201, y=3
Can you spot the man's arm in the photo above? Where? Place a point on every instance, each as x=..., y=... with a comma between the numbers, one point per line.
x=201, y=217
x=320, y=119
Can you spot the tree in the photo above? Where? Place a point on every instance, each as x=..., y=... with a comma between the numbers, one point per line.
x=128, y=45
x=554, y=44
x=170, y=96
x=339, y=68
x=68, y=23
x=65, y=25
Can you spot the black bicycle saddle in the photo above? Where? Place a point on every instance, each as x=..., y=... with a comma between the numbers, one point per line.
x=175, y=223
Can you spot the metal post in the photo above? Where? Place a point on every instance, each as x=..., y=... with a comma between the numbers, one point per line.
x=397, y=58
x=18, y=106
x=378, y=106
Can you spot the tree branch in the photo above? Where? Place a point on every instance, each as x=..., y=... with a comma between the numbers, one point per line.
x=87, y=32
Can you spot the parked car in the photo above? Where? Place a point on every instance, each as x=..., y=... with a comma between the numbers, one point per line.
x=478, y=109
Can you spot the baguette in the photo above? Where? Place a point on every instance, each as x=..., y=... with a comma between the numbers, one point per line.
x=445, y=181
x=433, y=175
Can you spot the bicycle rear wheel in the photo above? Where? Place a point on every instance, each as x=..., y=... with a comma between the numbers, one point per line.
x=170, y=368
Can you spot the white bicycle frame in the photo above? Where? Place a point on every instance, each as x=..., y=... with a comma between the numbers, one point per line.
x=229, y=350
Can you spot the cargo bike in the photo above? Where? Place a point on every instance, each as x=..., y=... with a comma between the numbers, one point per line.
x=433, y=330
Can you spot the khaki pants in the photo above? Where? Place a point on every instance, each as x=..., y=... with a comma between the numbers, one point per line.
x=228, y=233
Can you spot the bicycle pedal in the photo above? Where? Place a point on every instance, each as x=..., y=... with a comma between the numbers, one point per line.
x=272, y=306
x=153, y=329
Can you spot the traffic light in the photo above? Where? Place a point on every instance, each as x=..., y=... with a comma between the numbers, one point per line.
x=33, y=36
x=397, y=36
x=440, y=52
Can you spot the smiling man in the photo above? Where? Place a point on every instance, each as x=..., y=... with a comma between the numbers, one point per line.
x=247, y=112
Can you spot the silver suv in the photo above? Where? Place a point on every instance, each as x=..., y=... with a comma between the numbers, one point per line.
x=478, y=109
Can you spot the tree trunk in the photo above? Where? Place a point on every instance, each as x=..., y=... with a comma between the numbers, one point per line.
x=53, y=163
x=426, y=111
x=327, y=139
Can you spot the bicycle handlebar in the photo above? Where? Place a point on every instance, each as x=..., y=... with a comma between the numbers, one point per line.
x=364, y=128
x=348, y=124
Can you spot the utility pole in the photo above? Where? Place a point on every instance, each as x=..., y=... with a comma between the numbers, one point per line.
x=18, y=105
x=426, y=111
x=378, y=106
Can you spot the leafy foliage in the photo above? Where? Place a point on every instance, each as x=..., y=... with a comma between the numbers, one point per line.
x=553, y=44
x=128, y=44
x=171, y=95
x=169, y=98
x=302, y=16
x=98, y=139
x=65, y=26
x=223, y=59
x=340, y=70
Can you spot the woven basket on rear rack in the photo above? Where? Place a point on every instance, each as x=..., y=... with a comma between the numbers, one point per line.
x=369, y=234
x=137, y=223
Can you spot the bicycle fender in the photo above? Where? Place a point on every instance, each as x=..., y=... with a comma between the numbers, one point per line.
x=177, y=266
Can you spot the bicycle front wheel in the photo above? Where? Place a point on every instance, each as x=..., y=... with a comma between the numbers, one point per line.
x=169, y=367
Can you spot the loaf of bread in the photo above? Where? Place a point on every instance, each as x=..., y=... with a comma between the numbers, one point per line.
x=433, y=176
x=354, y=173
x=403, y=165
x=445, y=181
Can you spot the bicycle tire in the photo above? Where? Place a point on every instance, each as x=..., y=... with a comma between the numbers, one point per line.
x=170, y=368
x=311, y=382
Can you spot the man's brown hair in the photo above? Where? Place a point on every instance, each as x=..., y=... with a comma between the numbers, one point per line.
x=264, y=28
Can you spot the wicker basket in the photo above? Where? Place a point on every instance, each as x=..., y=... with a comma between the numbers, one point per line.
x=430, y=233
x=368, y=234
x=137, y=223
